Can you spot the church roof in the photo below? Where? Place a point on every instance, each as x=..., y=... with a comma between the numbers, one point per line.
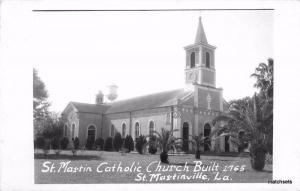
x=155, y=100
x=90, y=108
x=150, y=101
x=200, y=36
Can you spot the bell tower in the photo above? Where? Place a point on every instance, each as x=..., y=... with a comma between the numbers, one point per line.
x=200, y=61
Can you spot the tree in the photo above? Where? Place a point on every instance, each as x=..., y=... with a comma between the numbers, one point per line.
x=75, y=145
x=99, y=143
x=198, y=142
x=141, y=144
x=118, y=142
x=166, y=142
x=253, y=116
x=152, y=149
x=264, y=79
x=40, y=103
x=108, y=146
x=128, y=143
x=264, y=83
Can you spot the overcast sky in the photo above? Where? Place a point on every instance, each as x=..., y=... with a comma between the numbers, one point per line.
x=79, y=53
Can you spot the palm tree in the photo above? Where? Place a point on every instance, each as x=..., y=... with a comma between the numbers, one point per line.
x=253, y=115
x=198, y=142
x=264, y=79
x=166, y=142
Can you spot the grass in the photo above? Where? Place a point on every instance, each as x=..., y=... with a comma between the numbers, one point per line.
x=92, y=159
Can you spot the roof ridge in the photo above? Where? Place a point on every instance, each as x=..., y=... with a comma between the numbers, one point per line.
x=146, y=95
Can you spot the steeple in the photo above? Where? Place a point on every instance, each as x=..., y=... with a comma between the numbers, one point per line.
x=200, y=36
x=200, y=61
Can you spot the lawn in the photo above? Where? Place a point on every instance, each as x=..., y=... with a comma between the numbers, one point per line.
x=112, y=167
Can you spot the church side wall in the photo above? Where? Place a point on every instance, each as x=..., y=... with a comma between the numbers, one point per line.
x=143, y=117
x=87, y=119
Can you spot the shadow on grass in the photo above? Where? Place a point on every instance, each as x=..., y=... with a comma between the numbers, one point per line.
x=66, y=157
x=179, y=164
x=267, y=171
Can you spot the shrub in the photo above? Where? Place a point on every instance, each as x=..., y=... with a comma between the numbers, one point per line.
x=40, y=142
x=118, y=142
x=64, y=142
x=99, y=143
x=129, y=144
x=140, y=144
x=152, y=149
x=55, y=143
x=76, y=143
x=90, y=143
x=108, y=144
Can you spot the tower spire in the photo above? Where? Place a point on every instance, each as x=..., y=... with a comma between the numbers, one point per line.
x=200, y=36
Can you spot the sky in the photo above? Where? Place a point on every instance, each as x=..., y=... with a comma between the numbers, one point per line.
x=79, y=53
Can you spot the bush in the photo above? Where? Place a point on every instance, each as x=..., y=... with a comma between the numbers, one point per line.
x=152, y=149
x=40, y=142
x=89, y=143
x=76, y=143
x=99, y=143
x=140, y=144
x=258, y=157
x=55, y=143
x=118, y=142
x=64, y=142
x=129, y=144
x=108, y=144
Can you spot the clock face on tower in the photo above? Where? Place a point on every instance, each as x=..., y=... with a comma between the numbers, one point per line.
x=192, y=76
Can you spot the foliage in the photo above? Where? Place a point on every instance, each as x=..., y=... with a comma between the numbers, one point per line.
x=254, y=116
x=118, y=142
x=53, y=127
x=55, y=143
x=141, y=144
x=264, y=82
x=64, y=142
x=40, y=142
x=198, y=142
x=166, y=142
x=99, y=143
x=75, y=145
x=40, y=103
x=108, y=146
x=90, y=143
x=264, y=79
x=152, y=149
x=258, y=157
x=128, y=143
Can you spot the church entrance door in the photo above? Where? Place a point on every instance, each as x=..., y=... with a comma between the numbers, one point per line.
x=185, y=136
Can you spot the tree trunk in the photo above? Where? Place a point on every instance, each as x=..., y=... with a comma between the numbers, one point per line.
x=164, y=157
x=197, y=154
x=258, y=157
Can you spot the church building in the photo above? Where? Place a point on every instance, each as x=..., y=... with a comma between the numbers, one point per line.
x=190, y=109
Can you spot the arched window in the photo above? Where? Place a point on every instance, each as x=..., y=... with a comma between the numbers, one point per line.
x=137, y=130
x=112, y=131
x=207, y=59
x=123, y=130
x=151, y=127
x=91, y=132
x=207, y=131
x=193, y=60
x=73, y=131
